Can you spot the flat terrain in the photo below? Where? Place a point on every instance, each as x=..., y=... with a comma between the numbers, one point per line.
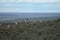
x=48, y=30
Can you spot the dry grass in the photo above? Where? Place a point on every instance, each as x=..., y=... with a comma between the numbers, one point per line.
x=49, y=30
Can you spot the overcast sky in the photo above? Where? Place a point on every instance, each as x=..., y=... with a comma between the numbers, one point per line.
x=30, y=6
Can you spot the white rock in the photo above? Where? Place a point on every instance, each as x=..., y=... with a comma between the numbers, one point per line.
x=25, y=21
x=16, y=23
x=41, y=21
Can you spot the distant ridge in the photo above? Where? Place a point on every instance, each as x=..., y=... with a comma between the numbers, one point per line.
x=29, y=15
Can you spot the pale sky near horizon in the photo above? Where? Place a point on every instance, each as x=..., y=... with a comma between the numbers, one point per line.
x=30, y=6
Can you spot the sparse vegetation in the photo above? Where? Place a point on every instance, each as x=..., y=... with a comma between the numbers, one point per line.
x=49, y=30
